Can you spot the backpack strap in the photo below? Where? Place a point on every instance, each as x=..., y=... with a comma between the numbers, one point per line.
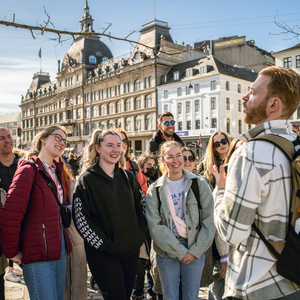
x=134, y=167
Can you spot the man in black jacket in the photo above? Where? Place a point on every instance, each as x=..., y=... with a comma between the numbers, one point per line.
x=165, y=132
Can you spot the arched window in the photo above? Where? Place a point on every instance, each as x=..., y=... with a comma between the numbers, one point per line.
x=110, y=124
x=92, y=59
x=110, y=108
x=128, y=124
x=55, y=118
x=78, y=113
x=137, y=85
x=138, y=123
x=148, y=122
x=148, y=101
x=95, y=111
x=78, y=99
x=102, y=125
x=78, y=130
x=137, y=103
x=127, y=105
x=87, y=112
x=118, y=123
x=60, y=117
x=118, y=107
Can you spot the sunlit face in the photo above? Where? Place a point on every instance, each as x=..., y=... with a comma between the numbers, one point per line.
x=172, y=159
x=110, y=150
x=189, y=161
x=168, y=130
x=255, y=101
x=54, y=144
x=220, y=139
x=6, y=142
x=150, y=162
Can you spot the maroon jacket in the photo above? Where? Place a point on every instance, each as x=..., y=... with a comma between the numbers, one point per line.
x=30, y=219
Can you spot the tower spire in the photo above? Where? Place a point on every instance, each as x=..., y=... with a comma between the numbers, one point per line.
x=86, y=20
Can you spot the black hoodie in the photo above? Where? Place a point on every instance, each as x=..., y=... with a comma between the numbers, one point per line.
x=109, y=212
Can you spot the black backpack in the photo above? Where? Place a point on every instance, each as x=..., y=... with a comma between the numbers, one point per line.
x=287, y=253
x=134, y=168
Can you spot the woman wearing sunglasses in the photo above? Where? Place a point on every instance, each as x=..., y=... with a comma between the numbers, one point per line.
x=216, y=152
x=31, y=230
x=130, y=164
x=174, y=223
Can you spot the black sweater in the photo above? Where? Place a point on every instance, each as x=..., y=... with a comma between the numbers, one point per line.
x=109, y=212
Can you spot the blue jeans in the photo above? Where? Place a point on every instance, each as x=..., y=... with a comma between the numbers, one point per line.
x=46, y=280
x=171, y=270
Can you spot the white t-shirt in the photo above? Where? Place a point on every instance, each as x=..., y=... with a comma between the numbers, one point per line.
x=176, y=189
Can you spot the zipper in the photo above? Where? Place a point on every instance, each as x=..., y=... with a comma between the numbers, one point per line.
x=44, y=236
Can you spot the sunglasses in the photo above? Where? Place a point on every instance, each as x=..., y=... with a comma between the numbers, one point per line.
x=218, y=144
x=58, y=138
x=167, y=123
x=125, y=141
x=189, y=158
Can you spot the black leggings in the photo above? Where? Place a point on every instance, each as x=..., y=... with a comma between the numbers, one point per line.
x=115, y=278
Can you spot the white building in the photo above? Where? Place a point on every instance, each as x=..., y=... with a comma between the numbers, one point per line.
x=205, y=95
x=12, y=122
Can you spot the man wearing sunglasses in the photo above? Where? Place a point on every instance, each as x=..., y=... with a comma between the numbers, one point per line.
x=165, y=132
x=258, y=190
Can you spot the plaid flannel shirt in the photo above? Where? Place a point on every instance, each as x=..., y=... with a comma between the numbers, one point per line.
x=258, y=189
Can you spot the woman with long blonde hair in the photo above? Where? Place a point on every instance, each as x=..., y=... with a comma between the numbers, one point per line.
x=109, y=214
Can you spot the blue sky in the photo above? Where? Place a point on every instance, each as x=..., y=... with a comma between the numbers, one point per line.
x=190, y=21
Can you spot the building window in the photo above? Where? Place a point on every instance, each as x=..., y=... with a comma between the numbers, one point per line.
x=196, y=88
x=213, y=103
x=166, y=94
x=78, y=114
x=180, y=125
x=213, y=85
x=150, y=81
x=87, y=112
x=108, y=94
x=197, y=105
x=146, y=83
x=239, y=105
x=31, y=121
x=148, y=122
x=118, y=123
x=227, y=103
x=214, y=122
x=227, y=86
x=179, y=108
x=78, y=99
x=95, y=111
x=189, y=72
x=176, y=75
x=287, y=62
x=203, y=70
x=197, y=125
x=101, y=110
x=148, y=101
x=117, y=90
x=92, y=59
x=127, y=105
x=137, y=85
x=239, y=88
x=55, y=118
x=166, y=107
x=110, y=108
x=118, y=107
x=60, y=117
x=128, y=124
x=102, y=125
x=187, y=90
x=179, y=92
x=188, y=107
x=240, y=126
x=129, y=87
x=110, y=124
x=189, y=125
x=137, y=103
x=298, y=61
x=78, y=130
x=164, y=79
x=87, y=128
x=125, y=88
x=138, y=123
x=228, y=125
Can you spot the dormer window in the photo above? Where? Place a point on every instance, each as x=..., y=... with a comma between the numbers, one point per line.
x=203, y=70
x=164, y=79
x=92, y=59
x=176, y=75
x=189, y=72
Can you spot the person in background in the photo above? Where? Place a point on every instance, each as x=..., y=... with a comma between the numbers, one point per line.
x=31, y=231
x=130, y=164
x=174, y=225
x=165, y=132
x=74, y=163
x=148, y=164
x=108, y=212
x=216, y=152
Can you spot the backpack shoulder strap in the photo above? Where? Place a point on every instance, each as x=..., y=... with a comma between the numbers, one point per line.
x=195, y=189
x=134, y=167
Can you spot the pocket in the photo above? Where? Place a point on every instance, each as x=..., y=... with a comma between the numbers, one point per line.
x=194, y=213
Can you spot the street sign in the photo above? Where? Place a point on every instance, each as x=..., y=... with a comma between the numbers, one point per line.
x=200, y=145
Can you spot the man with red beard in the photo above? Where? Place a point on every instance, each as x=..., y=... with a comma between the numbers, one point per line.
x=8, y=166
x=258, y=190
x=165, y=132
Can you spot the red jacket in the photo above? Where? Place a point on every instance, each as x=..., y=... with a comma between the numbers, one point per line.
x=30, y=219
x=140, y=177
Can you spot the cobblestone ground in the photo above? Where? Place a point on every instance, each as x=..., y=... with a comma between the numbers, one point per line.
x=18, y=291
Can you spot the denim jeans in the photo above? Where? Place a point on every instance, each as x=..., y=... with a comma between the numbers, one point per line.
x=46, y=280
x=170, y=270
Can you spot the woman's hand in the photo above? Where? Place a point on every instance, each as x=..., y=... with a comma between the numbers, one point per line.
x=188, y=258
x=18, y=258
x=223, y=270
x=219, y=176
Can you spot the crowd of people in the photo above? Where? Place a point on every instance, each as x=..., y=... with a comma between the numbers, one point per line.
x=170, y=217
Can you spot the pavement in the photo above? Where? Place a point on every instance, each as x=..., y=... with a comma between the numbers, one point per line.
x=18, y=291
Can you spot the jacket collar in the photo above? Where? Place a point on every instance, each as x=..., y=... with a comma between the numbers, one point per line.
x=160, y=138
